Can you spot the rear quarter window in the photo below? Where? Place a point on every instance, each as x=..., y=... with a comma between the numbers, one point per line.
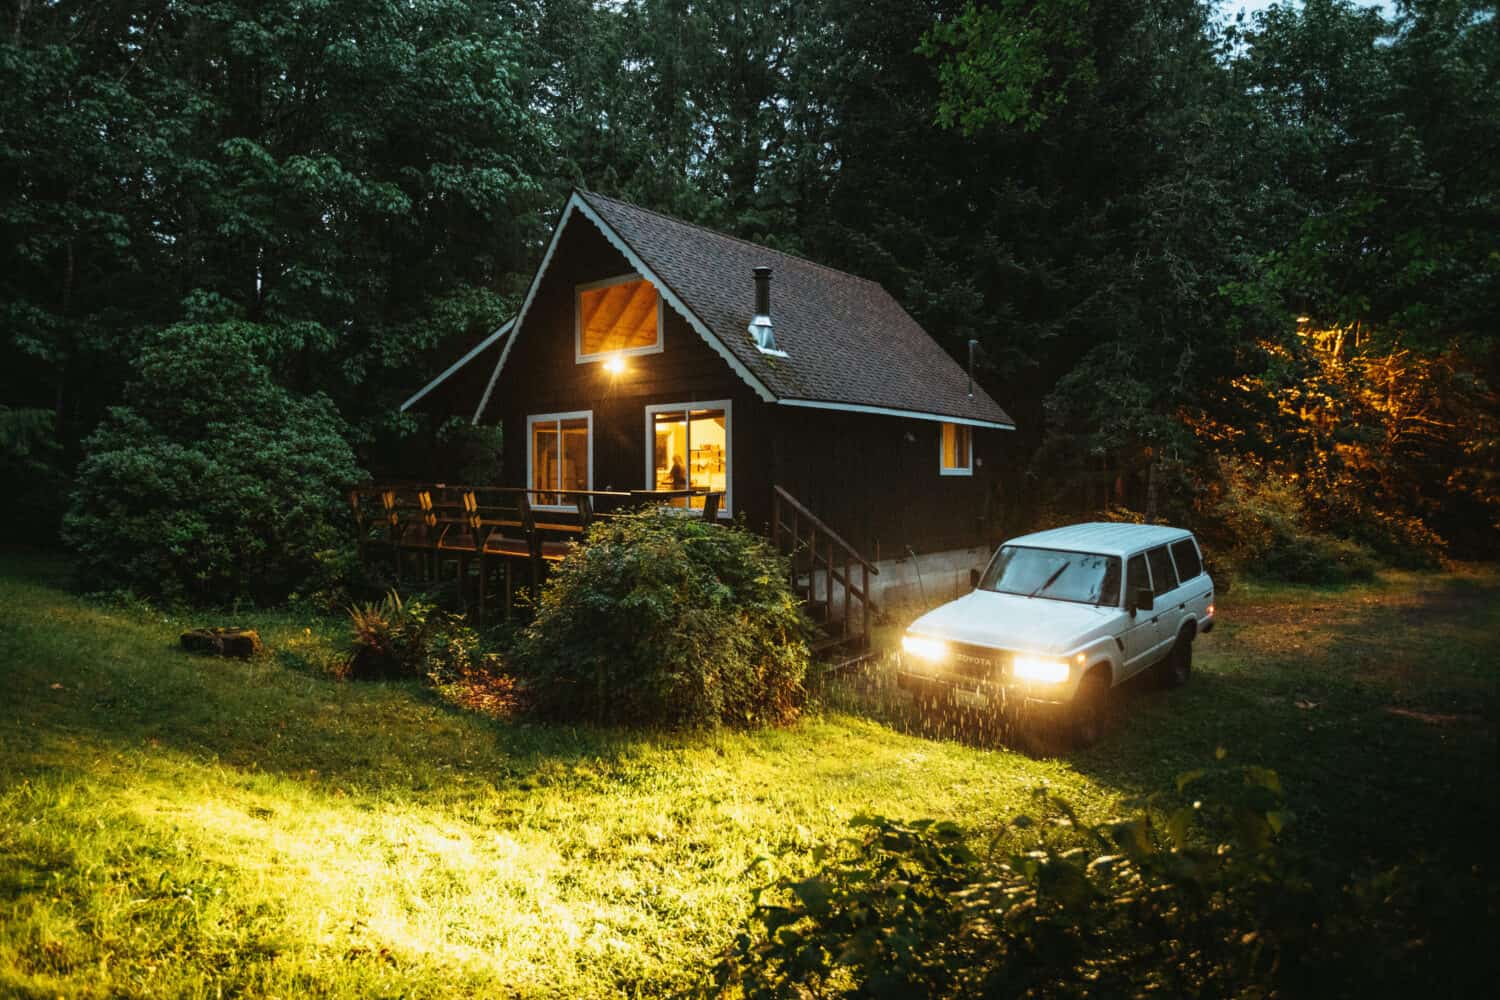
x=1163, y=574
x=1185, y=554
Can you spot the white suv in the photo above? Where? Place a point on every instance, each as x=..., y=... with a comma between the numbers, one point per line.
x=1065, y=615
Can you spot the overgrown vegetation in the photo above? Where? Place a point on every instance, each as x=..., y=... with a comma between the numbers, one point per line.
x=1193, y=892
x=211, y=482
x=396, y=638
x=666, y=620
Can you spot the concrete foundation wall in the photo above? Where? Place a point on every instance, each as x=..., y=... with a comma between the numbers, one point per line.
x=924, y=581
x=928, y=579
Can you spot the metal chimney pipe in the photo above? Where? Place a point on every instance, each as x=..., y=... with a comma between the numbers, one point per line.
x=760, y=323
x=763, y=292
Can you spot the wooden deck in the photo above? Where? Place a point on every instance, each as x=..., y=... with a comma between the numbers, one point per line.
x=492, y=542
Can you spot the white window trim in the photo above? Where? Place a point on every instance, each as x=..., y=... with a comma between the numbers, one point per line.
x=581, y=358
x=955, y=470
x=557, y=418
x=726, y=508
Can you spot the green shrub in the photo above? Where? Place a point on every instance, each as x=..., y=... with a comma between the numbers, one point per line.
x=1193, y=894
x=395, y=638
x=212, y=482
x=666, y=620
x=1260, y=521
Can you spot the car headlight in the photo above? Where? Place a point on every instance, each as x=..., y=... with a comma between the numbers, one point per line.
x=1039, y=669
x=924, y=648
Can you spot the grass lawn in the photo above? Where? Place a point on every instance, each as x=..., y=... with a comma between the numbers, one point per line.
x=171, y=825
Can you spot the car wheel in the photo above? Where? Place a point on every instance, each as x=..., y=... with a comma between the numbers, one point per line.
x=1090, y=710
x=1177, y=668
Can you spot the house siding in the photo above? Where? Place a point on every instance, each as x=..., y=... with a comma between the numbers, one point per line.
x=874, y=479
x=541, y=376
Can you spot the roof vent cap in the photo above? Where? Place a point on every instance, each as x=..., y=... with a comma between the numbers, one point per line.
x=760, y=323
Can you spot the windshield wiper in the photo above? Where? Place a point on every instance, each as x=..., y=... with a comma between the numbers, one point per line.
x=1051, y=579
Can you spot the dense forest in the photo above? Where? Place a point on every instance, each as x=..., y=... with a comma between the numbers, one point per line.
x=1239, y=272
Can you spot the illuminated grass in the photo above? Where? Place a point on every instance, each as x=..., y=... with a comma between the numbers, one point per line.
x=171, y=825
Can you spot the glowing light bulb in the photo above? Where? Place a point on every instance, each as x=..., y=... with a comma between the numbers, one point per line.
x=614, y=364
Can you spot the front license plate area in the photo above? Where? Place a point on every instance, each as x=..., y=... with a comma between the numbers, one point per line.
x=970, y=699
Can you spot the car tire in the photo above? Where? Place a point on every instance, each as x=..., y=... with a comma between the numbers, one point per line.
x=1177, y=668
x=1089, y=712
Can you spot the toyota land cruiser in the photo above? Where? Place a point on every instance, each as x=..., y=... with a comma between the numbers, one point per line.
x=1063, y=616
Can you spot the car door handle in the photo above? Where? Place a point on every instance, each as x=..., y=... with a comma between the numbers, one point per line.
x=1155, y=620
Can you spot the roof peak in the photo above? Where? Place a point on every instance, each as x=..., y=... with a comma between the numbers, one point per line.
x=586, y=194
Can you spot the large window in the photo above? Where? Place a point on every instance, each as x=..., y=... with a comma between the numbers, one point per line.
x=617, y=316
x=958, y=450
x=687, y=447
x=559, y=455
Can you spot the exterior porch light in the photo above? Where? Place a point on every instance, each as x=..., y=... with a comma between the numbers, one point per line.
x=614, y=364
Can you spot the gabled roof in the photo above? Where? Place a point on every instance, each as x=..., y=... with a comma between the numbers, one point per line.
x=473, y=353
x=845, y=343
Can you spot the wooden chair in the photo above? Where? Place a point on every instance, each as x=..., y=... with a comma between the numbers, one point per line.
x=456, y=517
x=371, y=529
x=508, y=539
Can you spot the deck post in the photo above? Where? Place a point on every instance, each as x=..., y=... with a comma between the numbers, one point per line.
x=865, y=601
x=848, y=587
x=828, y=586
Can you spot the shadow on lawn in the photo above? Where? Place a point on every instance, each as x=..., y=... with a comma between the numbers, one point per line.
x=1376, y=705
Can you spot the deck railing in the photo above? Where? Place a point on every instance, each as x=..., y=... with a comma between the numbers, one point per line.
x=809, y=544
x=487, y=535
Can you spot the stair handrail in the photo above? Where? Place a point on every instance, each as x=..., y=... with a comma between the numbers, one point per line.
x=817, y=523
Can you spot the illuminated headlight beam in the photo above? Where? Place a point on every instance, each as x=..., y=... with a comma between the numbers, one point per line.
x=924, y=648
x=1039, y=669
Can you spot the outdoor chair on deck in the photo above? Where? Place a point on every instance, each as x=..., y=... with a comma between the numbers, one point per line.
x=372, y=528
x=509, y=528
x=456, y=516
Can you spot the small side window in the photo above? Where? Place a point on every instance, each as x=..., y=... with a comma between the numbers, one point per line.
x=1163, y=575
x=958, y=451
x=1185, y=555
x=1136, y=577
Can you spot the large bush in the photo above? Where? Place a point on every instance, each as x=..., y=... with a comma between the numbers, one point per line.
x=667, y=620
x=212, y=482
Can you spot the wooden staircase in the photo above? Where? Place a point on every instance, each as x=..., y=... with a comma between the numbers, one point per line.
x=830, y=576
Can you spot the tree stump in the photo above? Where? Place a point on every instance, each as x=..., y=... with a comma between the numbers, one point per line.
x=238, y=642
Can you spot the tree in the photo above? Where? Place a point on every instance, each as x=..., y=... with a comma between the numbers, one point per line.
x=211, y=482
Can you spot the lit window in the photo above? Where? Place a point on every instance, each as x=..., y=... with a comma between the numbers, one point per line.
x=559, y=455
x=687, y=447
x=615, y=317
x=958, y=450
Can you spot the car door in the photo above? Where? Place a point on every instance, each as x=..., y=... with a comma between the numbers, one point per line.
x=1140, y=636
x=1168, y=610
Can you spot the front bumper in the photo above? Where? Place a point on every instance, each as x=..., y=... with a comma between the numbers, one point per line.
x=995, y=688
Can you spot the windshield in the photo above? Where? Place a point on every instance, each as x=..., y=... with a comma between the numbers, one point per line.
x=1054, y=574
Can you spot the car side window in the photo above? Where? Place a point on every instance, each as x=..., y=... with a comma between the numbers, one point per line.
x=1185, y=555
x=1135, y=577
x=1163, y=575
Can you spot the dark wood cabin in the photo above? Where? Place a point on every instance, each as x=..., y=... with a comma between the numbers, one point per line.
x=650, y=353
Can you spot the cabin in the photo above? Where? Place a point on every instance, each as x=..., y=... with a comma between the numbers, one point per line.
x=651, y=354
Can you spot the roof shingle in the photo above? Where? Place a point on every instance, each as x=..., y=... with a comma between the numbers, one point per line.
x=847, y=341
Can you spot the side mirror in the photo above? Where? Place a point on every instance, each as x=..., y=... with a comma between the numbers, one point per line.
x=973, y=579
x=1143, y=600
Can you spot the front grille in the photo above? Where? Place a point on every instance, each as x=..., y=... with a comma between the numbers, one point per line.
x=978, y=663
